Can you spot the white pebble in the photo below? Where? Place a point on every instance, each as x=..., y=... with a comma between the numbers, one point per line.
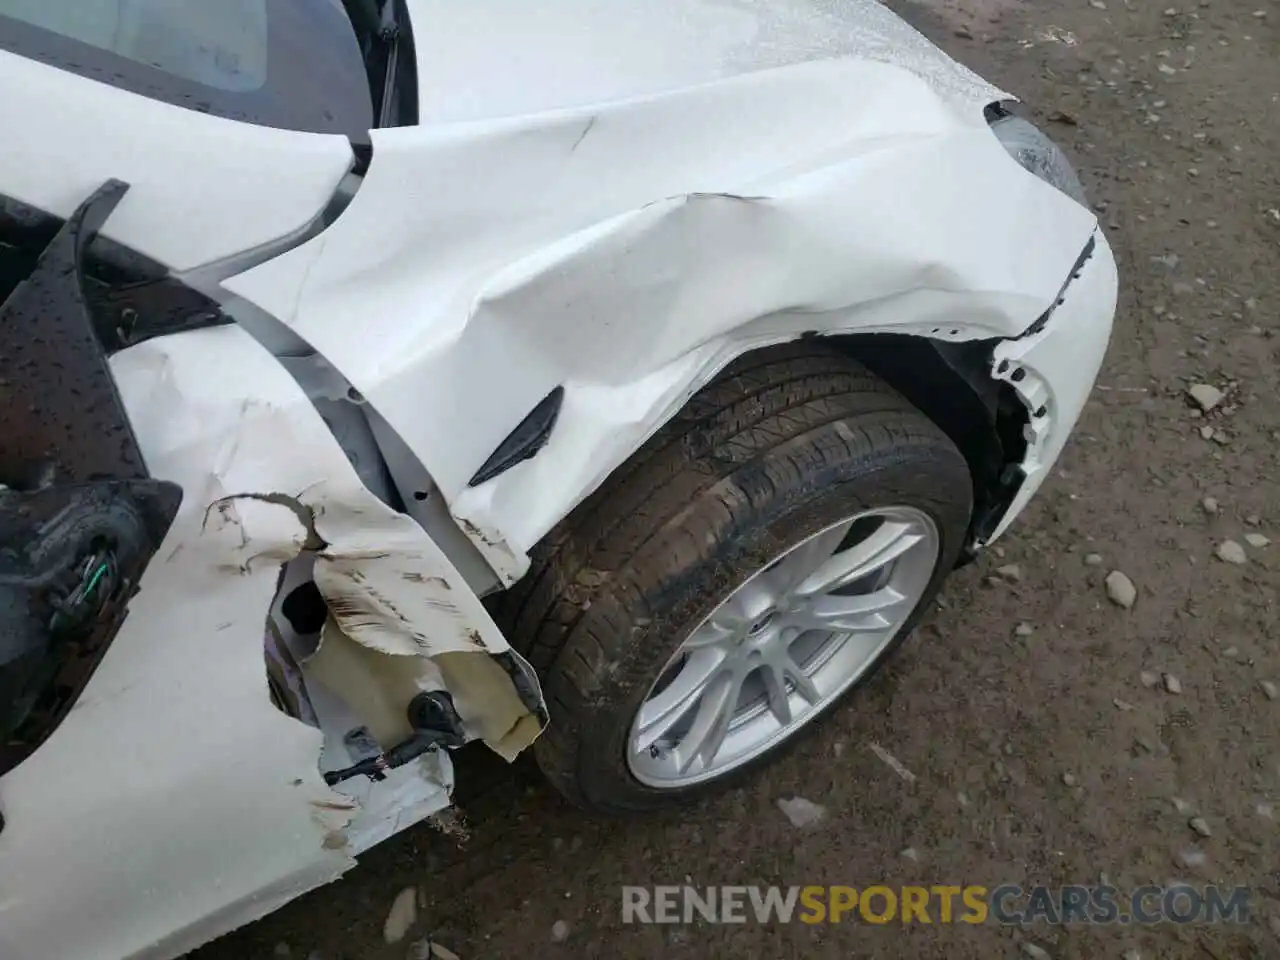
x=1206, y=395
x=1231, y=552
x=1120, y=589
x=801, y=812
x=402, y=916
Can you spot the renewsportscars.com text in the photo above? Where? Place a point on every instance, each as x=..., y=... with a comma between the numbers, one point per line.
x=942, y=904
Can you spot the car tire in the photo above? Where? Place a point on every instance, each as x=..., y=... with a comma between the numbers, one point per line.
x=783, y=444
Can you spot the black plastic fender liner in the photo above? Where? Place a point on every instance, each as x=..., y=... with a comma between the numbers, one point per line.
x=80, y=517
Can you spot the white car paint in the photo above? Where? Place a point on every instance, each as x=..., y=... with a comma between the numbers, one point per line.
x=176, y=802
x=201, y=188
x=618, y=202
x=564, y=253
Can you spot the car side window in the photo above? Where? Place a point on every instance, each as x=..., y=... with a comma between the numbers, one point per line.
x=295, y=64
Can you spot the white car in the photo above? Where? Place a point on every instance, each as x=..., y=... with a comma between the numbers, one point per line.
x=383, y=375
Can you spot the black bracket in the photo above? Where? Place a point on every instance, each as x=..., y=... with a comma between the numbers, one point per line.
x=80, y=517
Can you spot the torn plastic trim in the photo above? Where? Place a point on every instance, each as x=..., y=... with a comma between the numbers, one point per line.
x=130, y=296
x=385, y=592
x=524, y=442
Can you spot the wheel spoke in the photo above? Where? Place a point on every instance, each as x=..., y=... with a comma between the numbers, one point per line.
x=710, y=723
x=800, y=563
x=713, y=633
x=779, y=669
x=775, y=689
x=665, y=709
x=889, y=541
x=852, y=614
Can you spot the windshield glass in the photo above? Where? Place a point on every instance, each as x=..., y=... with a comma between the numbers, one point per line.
x=284, y=63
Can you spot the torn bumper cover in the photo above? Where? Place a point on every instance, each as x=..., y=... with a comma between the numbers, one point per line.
x=1053, y=365
x=174, y=796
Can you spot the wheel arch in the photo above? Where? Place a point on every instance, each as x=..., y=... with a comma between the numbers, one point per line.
x=948, y=381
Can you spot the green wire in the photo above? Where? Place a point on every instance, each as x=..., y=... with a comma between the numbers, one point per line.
x=93, y=582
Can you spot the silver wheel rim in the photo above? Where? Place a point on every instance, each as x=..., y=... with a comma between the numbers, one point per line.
x=780, y=648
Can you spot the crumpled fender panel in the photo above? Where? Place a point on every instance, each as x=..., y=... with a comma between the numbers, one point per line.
x=175, y=801
x=627, y=251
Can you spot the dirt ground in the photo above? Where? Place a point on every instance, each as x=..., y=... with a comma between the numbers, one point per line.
x=1041, y=758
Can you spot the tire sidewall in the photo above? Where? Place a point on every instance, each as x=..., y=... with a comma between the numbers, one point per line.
x=756, y=519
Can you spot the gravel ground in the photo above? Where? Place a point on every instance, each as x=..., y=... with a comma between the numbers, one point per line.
x=1037, y=716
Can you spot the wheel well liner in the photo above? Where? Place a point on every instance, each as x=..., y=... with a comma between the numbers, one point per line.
x=951, y=384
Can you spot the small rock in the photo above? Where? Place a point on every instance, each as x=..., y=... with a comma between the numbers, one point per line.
x=801, y=812
x=559, y=932
x=1010, y=571
x=1023, y=630
x=1199, y=825
x=1124, y=705
x=1029, y=949
x=281, y=950
x=1120, y=589
x=1206, y=432
x=1210, y=505
x=1149, y=678
x=1256, y=540
x=1191, y=857
x=1253, y=520
x=1231, y=652
x=1205, y=395
x=1183, y=806
x=1172, y=683
x=1069, y=779
x=1098, y=4
x=419, y=950
x=1132, y=955
x=402, y=916
x=1165, y=68
x=963, y=32
x=1269, y=689
x=838, y=748
x=1221, y=437
x=442, y=953
x=1093, y=559
x=911, y=854
x=1231, y=552
x=1264, y=809
x=962, y=798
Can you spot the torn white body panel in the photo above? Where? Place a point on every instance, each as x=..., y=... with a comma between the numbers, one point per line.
x=627, y=250
x=175, y=801
x=1058, y=365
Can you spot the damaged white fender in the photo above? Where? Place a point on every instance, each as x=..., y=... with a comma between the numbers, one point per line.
x=628, y=250
x=184, y=799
